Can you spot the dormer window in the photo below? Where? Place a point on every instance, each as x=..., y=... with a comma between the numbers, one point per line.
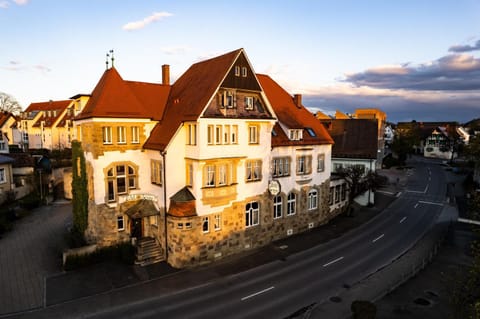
x=248, y=103
x=228, y=99
x=295, y=134
x=311, y=132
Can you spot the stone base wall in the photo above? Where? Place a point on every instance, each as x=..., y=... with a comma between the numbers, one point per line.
x=190, y=246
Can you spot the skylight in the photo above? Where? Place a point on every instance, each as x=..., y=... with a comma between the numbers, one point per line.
x=311, y=132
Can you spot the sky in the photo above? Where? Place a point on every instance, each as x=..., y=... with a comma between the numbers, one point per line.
x=413, y=59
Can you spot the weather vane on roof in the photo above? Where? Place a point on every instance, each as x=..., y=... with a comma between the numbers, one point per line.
x=112, y=59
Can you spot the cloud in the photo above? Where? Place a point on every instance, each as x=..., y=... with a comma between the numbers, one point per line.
x=451, y=72
x=175, y=50
x=4, y=4
x=16, y=66
x=137, y=25
x=465, y=48
x=21, y=2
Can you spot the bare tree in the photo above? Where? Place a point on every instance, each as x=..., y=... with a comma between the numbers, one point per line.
x=9, y=104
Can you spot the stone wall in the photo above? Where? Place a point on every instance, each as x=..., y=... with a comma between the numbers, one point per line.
x=190, y=246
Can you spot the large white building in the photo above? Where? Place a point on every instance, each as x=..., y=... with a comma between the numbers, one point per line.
x=221, y=161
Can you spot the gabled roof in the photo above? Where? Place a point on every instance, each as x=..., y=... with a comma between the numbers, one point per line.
x=354, y=138
x=4, y=116
x=340, y=115
x=50, y=112
x=189, y=96
x=292, y=116
x=114, y=97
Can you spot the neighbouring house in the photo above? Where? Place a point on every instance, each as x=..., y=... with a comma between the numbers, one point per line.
x=221, y=161
x=421, y=131
x=6, y=177
x=389, y=134
x=355, y=144
x=7, y=135
x=381, y=118
x=47, y=125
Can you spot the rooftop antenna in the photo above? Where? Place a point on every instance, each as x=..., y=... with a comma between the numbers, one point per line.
x=111, y=55
x=106, y=61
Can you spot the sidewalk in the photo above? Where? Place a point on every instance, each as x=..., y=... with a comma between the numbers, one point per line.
x=28, y=253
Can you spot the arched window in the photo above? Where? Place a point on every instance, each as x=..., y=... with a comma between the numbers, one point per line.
x=312, y=199
x=121, y=178
x=277, y=207
x=252, y=214
x=291, y=204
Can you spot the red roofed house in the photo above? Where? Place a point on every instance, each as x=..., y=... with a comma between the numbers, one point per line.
x=6, y=133
x=42, y=126
x=222, y=161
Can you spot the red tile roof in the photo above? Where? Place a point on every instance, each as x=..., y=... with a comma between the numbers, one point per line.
x=189, y=96
x=4, y=116
x=292, y=116
x=114, y=97
x=48, y=106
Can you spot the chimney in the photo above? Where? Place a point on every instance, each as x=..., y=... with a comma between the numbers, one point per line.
x=297, y=99
x=166, y=74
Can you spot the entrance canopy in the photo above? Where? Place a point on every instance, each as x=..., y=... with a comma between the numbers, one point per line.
x=142, y=208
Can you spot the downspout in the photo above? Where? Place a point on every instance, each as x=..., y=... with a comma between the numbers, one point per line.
x=163, y=153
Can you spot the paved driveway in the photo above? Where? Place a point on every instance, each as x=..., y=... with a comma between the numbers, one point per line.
x=28, y=253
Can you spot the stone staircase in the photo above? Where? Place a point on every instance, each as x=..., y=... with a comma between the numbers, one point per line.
x=148, y=252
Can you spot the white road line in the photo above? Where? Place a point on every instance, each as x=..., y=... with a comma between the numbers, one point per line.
x=403, y=219
x=399, y=193
x=333, y=261
x=257, y=293
x=430, y=203
x=379, y=237
x=416, y=205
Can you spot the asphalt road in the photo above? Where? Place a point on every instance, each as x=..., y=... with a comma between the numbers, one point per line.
x=280, y=288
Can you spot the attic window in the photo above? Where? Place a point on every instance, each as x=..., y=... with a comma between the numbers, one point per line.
x=248, y=103
x=295, y=134
x=311, y=132
x=237, y=70
x=244, y=72
x=274, y=133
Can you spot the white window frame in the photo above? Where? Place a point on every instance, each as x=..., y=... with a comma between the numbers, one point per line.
x=192, y=134
x=135, y=130
x=291, y=204
x=226, y=134
x=277, y=207
x=210, y=134
x=205, y=225
x=252, y=214
x=218, y=134
x=237, y=70
x=312, y=199
x=304, y=165
x=156, y=172
x=234, y=134
x=121, y=135
x=244, y=71
x=321, y=163
x=253, y=134
x=210, y=180
x=253, y=170
x=281, y=166
x=3, y=176
x=107, y=134
x=217, y=222
x=249, y=103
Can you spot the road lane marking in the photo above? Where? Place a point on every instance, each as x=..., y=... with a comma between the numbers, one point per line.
x=333, y=261
x=379, y=237
x=257, y=293
x=430, y=203
x=399, y=193
x=403, y=219
x=416, y=205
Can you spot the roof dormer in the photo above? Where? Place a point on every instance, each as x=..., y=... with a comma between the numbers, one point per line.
x=295, y=134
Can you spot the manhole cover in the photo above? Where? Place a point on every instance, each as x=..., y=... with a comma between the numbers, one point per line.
x=335, y=299
x=422, y=302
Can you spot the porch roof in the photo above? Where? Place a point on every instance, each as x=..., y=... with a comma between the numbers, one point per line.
x=142, y=208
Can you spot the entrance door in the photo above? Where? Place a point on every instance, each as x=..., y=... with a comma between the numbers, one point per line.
x=136, y=228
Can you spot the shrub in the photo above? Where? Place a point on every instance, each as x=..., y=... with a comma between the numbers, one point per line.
x=30, y=201
x=123, y=252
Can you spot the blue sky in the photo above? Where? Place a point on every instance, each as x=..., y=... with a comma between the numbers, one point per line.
x=413, y=59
